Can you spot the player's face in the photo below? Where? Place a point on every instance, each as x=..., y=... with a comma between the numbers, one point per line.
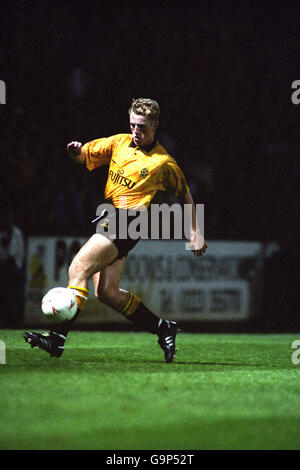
x=142, y=129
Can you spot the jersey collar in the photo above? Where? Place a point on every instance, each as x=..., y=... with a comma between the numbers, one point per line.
x=147, y=148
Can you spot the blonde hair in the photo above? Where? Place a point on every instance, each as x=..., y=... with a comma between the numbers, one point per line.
x=145, y=107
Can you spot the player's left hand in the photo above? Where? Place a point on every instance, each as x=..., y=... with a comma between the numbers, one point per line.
x=198, y=244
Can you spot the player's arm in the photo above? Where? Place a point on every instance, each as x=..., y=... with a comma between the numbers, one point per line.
x=197, y=242
x=75, y=152
x=173, y=180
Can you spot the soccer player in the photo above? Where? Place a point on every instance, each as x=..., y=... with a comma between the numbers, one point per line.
x=139, y=166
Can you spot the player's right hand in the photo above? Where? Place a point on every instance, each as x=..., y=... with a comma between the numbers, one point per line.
x=74, y=148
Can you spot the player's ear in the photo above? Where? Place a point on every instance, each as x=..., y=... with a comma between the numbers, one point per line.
x=156, y=124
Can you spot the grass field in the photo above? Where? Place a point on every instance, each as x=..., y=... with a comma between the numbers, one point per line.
x=112, y=390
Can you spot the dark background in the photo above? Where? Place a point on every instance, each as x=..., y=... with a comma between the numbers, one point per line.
x=222, y=73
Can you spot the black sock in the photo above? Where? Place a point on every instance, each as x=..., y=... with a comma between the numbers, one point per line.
x=64, y=328
x=146, y=320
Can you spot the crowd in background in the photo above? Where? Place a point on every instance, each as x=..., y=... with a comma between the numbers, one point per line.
x=224, y=88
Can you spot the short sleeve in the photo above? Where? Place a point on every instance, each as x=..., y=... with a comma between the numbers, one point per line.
x=98, y=152
x=173, y=179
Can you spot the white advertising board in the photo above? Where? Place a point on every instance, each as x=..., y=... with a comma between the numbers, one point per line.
x=221, y=285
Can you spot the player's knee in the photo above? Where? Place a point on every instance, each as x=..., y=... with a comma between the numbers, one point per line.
x=73, y=269
x=78, y=270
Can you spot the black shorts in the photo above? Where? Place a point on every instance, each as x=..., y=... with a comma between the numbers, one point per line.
x=109, y=224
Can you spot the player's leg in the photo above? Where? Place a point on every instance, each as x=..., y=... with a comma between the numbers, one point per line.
x=96, y=254
x=107, y=285
x=108, y=291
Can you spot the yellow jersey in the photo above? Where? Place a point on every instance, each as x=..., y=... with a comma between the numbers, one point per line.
x=135, y=174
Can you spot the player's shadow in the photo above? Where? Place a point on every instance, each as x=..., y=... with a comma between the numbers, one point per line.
x=238, y=364
x=139, y=361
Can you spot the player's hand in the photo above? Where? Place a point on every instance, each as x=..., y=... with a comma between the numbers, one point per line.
x=197, y=243
x=74, y=148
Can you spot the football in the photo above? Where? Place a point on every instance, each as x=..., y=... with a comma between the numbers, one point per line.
x=59, y=304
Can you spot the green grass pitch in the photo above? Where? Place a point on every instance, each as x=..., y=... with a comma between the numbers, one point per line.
x=113, y=391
